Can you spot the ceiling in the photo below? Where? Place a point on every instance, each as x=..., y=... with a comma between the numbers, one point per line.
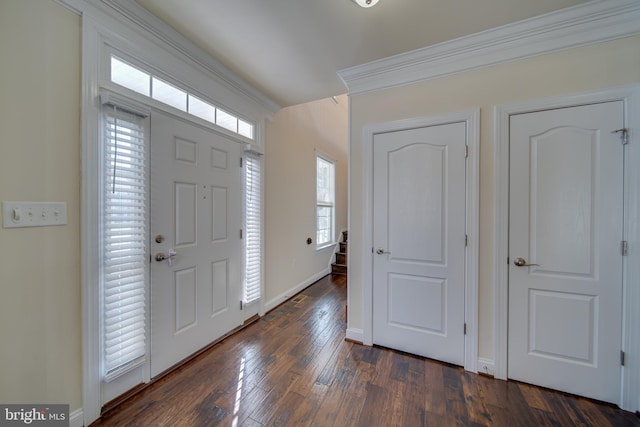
x=291, y=49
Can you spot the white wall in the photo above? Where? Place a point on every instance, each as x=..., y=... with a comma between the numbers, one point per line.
x=292, y=139
x=40, y=322
x=604, y=65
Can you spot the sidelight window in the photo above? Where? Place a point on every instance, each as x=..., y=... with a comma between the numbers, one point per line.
x=123, y=241
x=253, y=220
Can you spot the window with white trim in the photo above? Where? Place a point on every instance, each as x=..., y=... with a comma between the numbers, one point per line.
x=123, y=240
x=253, y=224
x=144, y=83
x=325, y=201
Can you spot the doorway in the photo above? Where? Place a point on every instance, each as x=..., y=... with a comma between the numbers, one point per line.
x=196, y=218
x=629, y=96
x=421, y=173
x=172, y=219
x=565, y=231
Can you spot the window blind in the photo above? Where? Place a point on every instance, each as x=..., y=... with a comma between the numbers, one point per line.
x=124, y=241
x=253, y=218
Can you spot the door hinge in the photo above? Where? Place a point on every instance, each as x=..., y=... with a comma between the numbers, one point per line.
x=240, y=161
x=624, y=247
x=241, y=305
x=241, y=233
x=466, y=240
x=622, y=358
x=465, y=329
x=624, y=135
x=466, y=151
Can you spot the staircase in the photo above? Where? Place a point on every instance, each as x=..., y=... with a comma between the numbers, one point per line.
x=340, y=264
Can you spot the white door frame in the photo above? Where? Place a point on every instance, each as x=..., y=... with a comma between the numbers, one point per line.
x=630, y=95
x=472, y=120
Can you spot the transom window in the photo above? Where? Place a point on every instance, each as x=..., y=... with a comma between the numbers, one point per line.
x=144, y=83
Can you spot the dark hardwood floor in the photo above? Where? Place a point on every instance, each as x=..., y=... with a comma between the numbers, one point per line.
x=294, y=368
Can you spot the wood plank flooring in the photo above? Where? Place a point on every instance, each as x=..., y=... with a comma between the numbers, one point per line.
x=294, y=368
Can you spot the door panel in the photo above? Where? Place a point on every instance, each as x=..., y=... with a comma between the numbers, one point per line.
x=186, y=299
x=186, y=208
x=219, y=228
x=419, y=232
x=565, y=219
x=196, y=200
x=571, y=317
x=561, y=210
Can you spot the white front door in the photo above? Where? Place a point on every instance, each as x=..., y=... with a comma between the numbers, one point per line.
x=565, y=232
x=419, y=239
x=196, y=213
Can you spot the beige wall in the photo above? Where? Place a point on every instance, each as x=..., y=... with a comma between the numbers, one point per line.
x=40, y=309
x=599, y=66
x=291, y=140
x=40, y=160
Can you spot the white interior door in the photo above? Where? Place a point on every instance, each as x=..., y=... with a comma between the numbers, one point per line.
x=419, y=238
x=566, y=221
x=196, y=213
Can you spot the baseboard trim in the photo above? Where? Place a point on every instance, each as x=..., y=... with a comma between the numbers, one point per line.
x=76, y=418
x=355, y=335
x=273, y=303
x=486, y=367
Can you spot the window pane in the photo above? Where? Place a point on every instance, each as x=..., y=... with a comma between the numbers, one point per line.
x=202, y=109
x=129, y=77
x=170, y=95
x=324, y=224
x=325, y=181
x=245, y=129
x=226, y=120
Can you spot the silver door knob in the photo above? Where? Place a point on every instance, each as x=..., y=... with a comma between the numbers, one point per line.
x=161, y=256
x=381, y=251
x=521, y=262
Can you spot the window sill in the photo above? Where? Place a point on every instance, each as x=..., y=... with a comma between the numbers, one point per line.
x=326, y=246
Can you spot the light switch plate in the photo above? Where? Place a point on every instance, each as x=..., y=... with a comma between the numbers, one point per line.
x=33, y=214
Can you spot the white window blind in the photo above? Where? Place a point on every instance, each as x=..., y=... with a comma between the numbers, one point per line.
x=325, y=201
x=124, y=241
x=253, y=218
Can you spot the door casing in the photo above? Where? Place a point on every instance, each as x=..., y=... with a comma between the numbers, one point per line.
x=630, y=95
x=472, y=120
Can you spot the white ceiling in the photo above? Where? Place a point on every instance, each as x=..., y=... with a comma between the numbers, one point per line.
x=292, y=49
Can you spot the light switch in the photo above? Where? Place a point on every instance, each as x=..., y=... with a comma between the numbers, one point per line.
x=33, y=214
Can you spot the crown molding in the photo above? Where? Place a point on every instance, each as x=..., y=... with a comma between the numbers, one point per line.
x=589, y=23
x=71, y=5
